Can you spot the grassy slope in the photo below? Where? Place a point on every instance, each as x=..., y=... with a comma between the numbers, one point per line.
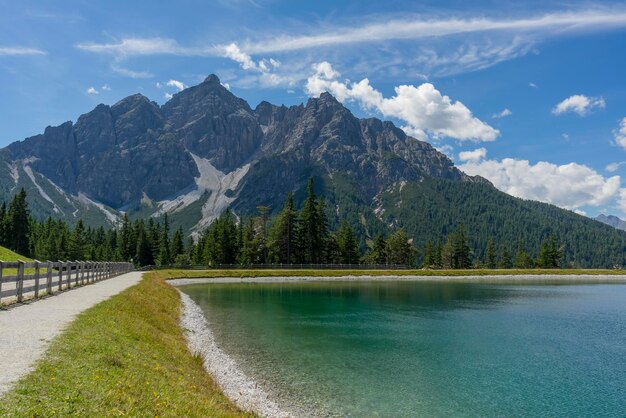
x=8, y=255
x=124, y=357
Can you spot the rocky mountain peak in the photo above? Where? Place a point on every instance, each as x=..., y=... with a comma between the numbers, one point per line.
x=212, y=79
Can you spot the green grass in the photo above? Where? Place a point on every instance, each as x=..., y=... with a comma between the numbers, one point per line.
x=170, y=274
x=8, y=255
x=126, y=356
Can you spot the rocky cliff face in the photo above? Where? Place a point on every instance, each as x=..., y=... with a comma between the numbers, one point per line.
x=207, y=149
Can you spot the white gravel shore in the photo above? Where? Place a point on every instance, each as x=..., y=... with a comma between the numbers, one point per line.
x=539, y=278
x=238, y=387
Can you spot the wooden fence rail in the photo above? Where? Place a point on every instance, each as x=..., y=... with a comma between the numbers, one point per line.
x=21, y=280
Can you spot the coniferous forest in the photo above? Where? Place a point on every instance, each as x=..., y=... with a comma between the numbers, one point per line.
x=291, y=237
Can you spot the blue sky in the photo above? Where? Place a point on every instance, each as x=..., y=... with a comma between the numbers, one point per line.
x=531, y=95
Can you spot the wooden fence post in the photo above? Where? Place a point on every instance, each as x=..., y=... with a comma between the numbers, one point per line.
x=36, y=279
x=20, y=280
x=1, y=276
x=49, y=277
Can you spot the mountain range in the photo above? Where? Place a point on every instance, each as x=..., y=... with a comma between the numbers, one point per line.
x=206, y=150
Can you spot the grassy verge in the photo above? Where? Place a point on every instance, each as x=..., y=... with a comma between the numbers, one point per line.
x=124, y=357
x=170, y=274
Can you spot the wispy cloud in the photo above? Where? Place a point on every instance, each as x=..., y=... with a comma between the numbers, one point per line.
x=416, y=28
x=92, y=91
x=130, y=73
x=441, y=47
x=506, y=112
x=620, y=134
x=579, y=104
x=143, y=46
x=6, y=51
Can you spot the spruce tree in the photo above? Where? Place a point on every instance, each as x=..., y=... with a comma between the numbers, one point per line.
x=378, y=254
x=177, y=245
x=282, y=236
x=347, y=245
x=399, y=249
x=491, y=259
x=18, y=224
x=505, y=258
x=310, y=244
x=77, y=242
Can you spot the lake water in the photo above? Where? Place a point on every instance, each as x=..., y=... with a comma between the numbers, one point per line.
x=406, y=349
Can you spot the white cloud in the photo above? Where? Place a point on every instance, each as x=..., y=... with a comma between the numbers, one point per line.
x=473, y=156
x=92, y=90
x=233, y=52
x=226, y=86
x=580, y=212
x=179, y=85
x=613, y=167
x=140, y=46
x=620, y=134
x=569, y=186
x=423, y=108
x=417, y=27
x=506, y=112
x=105, y=87
x=565, y=136
x=16, y=51
x=131, y=73
x=579, y=104
x=533, y=85
x=168, y=96
x=445, y=149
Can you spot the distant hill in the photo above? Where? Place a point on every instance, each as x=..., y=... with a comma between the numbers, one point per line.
x=613, y=221
x=206, y=150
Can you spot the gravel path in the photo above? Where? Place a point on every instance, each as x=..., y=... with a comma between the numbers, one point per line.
x=26, y=330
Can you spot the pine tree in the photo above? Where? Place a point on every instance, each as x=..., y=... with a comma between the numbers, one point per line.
x=282, y=238
x=522, y=259
x=491, y=259
x=378, y=253
x=164, y=257
x=18, y=224
x=310, y=243
x=348, y=249
x=550, y=254
x=3, y=225
x=77, y=242
x=143, y=256
x=177, y=245
x=505, y=258
x=399, y=249
x=462, y=251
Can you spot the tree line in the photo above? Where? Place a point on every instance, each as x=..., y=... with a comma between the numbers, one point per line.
x=291, y=237
x=142, y=242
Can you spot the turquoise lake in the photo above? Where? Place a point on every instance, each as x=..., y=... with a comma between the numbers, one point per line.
x=406, y=349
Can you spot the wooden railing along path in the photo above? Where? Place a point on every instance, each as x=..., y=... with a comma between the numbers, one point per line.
x=20, y=280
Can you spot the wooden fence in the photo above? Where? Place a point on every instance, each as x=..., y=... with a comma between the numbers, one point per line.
x=20, y=280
